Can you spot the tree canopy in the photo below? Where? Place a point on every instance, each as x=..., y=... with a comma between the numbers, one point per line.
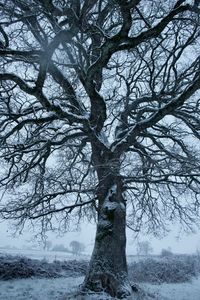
x=121, y=76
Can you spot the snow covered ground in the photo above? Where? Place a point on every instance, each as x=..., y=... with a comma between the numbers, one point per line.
x=38, y=289
x=65, y=288
x=172, y=291
x=42, y=254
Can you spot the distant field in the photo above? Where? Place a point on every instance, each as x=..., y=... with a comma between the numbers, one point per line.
x=42, y=254
x=58, y=255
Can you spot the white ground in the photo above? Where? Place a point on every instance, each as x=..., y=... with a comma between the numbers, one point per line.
x=65, y=288
x=42, y=254
x=38, y=289
x=180, y=291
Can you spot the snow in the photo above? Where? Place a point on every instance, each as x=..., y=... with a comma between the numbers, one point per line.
x=65, y=288
x=38, y=289
x=111, y=205
x=103, y=139
x=50, y=256
x=111, y=191
x=172, y=291
x=104, y=223
x=108, y=204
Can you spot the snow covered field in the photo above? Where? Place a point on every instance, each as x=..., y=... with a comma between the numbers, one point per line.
x=62, y=288
x=65, y=288
x=38, y=289
x=42, y=254
x=172, y=291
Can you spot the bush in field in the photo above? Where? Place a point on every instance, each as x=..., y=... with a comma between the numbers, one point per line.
x=173, y=269
x=13, y=267
x=22, y=267
x=77, y=247
x=166, y=252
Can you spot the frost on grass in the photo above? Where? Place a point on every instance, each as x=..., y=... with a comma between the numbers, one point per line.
x=39, y=289
x=12, y=267
x=164, y=273
x=176, y=269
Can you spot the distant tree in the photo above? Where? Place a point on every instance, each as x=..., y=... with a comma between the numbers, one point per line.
x=48, y=245
x=166, y=252
x=198, y=253
x=77, y=247
x=144, y=248
x=100, y=116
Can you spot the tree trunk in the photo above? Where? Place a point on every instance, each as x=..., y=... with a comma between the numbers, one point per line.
x=108, y=268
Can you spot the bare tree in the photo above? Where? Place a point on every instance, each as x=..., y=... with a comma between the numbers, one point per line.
x=77, y=247
x=99, y=115
x=144, y=248
x=48, y=245
x=166, y=252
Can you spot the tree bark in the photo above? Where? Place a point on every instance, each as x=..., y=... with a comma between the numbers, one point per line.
x=108, y=267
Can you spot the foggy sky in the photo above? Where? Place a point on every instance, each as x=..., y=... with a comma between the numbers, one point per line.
x=183, y=244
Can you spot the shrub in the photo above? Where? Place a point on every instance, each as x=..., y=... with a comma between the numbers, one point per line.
x=77, y=247
x=166, y=253
x=169, y=270
x=13, y=267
